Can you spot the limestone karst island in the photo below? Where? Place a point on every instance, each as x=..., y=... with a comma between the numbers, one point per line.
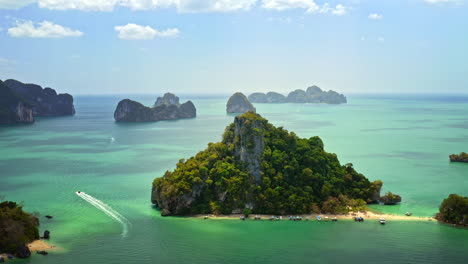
x=233, y=131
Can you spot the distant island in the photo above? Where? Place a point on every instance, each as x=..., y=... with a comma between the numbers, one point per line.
x=165, y=108
x=313, y=94
x=454, y=210
x=17, y=229
x=21, y=103
x=259, y=168
x=238, y=103
x=462, y=157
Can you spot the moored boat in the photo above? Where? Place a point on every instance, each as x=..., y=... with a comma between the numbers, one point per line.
x=382, y=221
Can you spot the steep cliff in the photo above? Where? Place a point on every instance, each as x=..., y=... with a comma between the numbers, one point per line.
x=238, y=103
x=12, y=109
x=166, y=108
x=44, y=102
x=262, y=168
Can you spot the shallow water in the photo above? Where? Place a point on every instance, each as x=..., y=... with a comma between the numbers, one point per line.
x=403, y=140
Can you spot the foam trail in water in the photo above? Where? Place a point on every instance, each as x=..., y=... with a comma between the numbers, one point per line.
x=107, y=210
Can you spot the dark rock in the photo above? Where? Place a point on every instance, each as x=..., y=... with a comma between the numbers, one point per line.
x=44, y=102
x=165, y=212
x=49, y=217
x=12, y=108
x=167, y=99
x=238, y=103
x=22, y=252
x=462, y=157
x=46, y=234
x=166, y=108
x=390, y=199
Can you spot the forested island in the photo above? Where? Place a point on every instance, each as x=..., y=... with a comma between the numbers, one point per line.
x=313, y=94
x=260, y=168
x=165, y=108
x=17, y=229
x=21, y=103
x=454, y=210
x=238, y=103
x=462, y=157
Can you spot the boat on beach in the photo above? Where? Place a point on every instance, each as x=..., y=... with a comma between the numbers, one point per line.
x=382, y=221
x=319, y=218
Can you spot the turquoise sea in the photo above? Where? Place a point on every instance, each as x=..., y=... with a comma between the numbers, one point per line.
x=403, y=140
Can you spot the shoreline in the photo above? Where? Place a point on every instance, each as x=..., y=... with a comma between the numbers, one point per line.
x=313, y=217
x=36, y=245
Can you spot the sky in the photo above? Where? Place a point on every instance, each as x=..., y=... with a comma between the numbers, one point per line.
x=224, y=46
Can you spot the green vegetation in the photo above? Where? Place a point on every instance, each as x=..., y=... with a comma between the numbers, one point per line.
x=17, y=227
x=454, y=210
x=296, y=176
x=462, y=157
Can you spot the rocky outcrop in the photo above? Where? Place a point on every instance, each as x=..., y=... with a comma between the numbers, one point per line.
x=44, y=102
x=390, y=198
x=313, y=94
x=249, y=135
x=297, y=96
x=462, y=157
x=167, y=99
x=262, y=168
x=238, y=103
x=12, y=108
x=166, y=108
x=22, y=251
x=269, y=98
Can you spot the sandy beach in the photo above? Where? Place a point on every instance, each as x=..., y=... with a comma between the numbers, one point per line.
x=366, y=215
x=36, y=245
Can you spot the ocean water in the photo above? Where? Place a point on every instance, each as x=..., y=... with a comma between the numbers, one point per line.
x=403, y=140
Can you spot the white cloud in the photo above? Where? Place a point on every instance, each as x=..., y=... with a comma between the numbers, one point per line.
x=309, y=5
x=381, y=39
x=137, y=32
x=375, y=16
x=45, y=29
x=338, y=10
x=280, y=5
x=181, y=5
x=15, y=4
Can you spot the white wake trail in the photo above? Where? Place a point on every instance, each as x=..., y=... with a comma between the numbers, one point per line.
x=107, y=210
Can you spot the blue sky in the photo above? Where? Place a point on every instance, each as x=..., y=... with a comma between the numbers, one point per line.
x=223, y=46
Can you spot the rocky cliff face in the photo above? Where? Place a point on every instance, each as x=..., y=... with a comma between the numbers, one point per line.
x=238, y=103
x=167, y=99
x=12, y=109
x=44, y=102
x=249, y=135
x=166, y=108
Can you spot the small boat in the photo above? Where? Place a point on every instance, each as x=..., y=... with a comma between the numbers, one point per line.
x=307, y=218
x=10, y=257
x=298, y=218
x=42, y=252
x=206, y=217
x=272, y=218
x=334, y=219
x=242, y=218
x=49, y=217
x=78, y=191
x=290, y=218
x=257, y=217
x=326, y=218
x=408, y=214
x=382, y=221
x=358, y=219
x=319, y=218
